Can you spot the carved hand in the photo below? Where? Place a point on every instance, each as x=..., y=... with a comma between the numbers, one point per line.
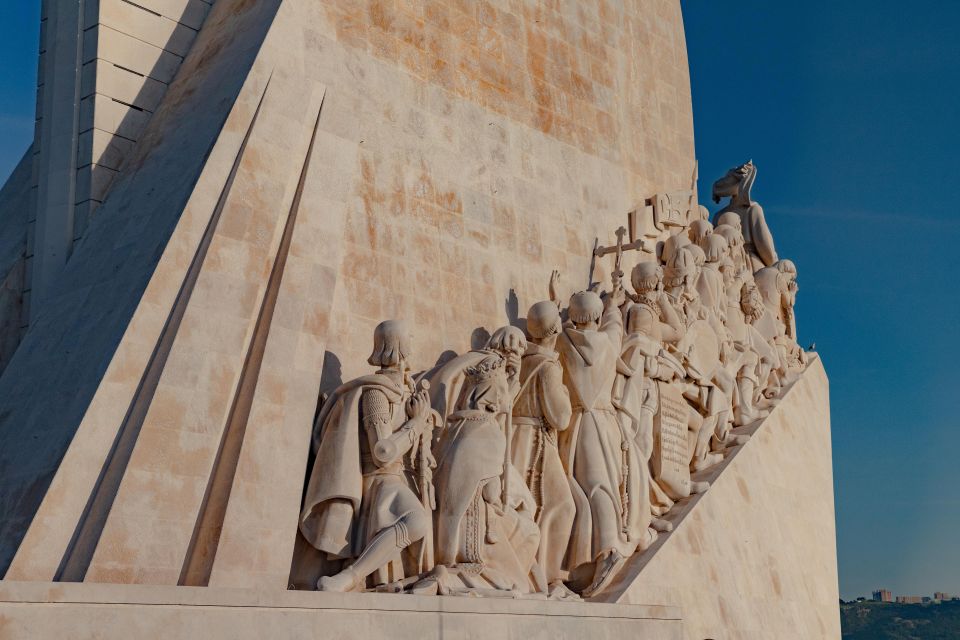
x=615, y=298
x=554, y=286
x=513, y=364
x=418, y=406
x=491, y=491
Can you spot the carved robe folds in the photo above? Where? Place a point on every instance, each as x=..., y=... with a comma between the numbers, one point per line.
x=603, y=464
x=541, y=411
x=355, y=491
x=491, y=545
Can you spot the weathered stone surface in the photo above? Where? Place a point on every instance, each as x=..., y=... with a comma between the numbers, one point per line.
x=84, y=358
x=110, y=612
x=435, y=168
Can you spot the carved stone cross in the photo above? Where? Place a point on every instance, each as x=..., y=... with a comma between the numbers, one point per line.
x=619, y=249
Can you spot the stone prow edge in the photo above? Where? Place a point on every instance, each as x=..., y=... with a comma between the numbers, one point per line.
x=682, y=509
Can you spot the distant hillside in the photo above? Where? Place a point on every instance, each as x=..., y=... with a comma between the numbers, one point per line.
x=876, y=621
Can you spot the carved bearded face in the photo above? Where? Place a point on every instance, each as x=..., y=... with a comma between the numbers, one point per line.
x=751, y=302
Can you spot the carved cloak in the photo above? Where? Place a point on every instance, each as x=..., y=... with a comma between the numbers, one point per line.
x=335, y=488
x=469, y=528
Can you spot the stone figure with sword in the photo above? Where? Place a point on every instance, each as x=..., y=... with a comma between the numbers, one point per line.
x=370, y=494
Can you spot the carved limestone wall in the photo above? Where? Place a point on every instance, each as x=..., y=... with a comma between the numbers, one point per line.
x=461, y=153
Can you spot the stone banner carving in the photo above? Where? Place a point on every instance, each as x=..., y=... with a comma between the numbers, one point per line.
x=670, y=464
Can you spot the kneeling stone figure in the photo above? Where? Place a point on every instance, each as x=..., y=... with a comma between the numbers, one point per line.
x=368, y=497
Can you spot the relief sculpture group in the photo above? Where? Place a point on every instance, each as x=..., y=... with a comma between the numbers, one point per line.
x=540, y=464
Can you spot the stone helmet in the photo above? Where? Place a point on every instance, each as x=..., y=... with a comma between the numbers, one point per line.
x=715, y=247
x=699, y=255
x=671, y=246
x=585, y=306
x=731, y=233
x=786, y=266
x=700, y=230
x=391, y=344
x=731, y=218
x=682, y=266
x=508, y=339
x=646, y=276
x=543, y=320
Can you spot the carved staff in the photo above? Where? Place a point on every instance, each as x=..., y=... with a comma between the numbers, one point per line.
x=508, y=432
x=425, y=483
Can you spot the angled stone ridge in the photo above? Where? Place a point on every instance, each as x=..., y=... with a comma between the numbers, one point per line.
x=755, y=556
x=58, y=374
x=104, y=69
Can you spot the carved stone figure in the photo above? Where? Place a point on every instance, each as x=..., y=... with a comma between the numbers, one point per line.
x=636, y=398
x=647, y=280
x=778, y=286
x=699, y=231
x=737, y=184
x=669, y=248
x=789, y=356
x=542, y=410
x=699, y=348
x=776, y=290
x=369, y=495
x=710, y=284
x=608, y=527
x=486, y=536
x=736, y=250
x=747, y=355
x=652, y=316
x=446, y=383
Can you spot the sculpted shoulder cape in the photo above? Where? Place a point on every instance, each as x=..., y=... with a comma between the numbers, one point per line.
x=335, y=487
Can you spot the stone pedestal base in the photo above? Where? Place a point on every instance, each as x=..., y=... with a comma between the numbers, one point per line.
x=121, y=612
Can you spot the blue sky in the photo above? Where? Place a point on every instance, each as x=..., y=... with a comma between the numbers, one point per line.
x=849, y=111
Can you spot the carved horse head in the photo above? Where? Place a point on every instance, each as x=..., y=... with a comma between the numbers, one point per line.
x=736, y=185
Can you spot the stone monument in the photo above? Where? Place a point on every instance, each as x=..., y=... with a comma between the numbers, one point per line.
x=396, y=319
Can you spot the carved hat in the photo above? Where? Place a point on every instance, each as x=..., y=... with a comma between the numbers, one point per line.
x=585, y=306
x=391, y=344
x=543, y=320
x=716, y=247
x=508, y=339
x=646, y=276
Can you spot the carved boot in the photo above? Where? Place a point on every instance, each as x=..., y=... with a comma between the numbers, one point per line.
x=559, y=591
x=606, y=571
x=346, y=580
x=661, y=525
x=706, y=461
x=746, y=412
x=698, y=487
